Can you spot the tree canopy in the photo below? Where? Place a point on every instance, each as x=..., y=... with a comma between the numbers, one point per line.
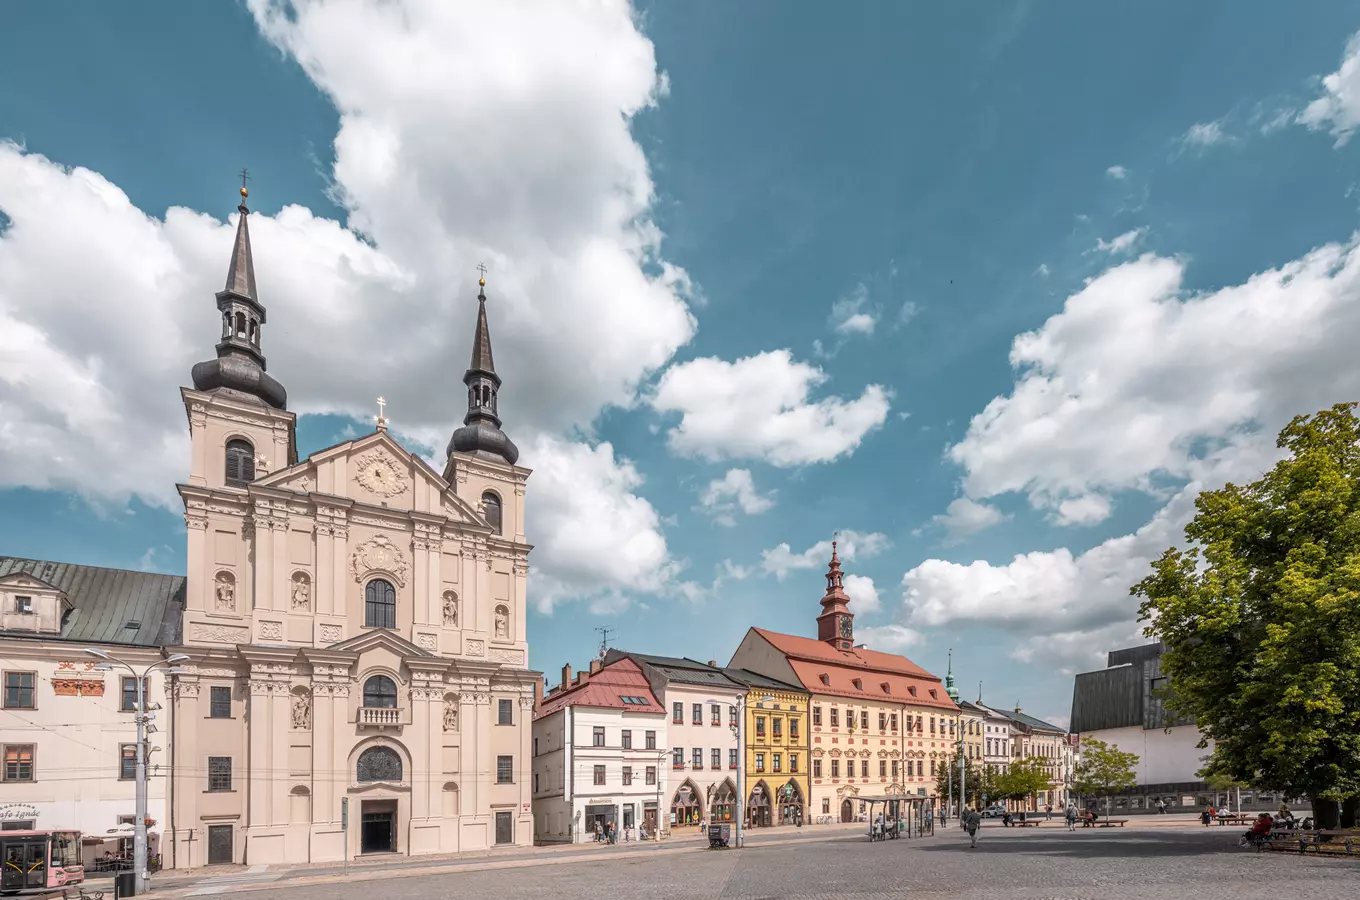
x=1261, y=618
x=1104, y=770
x=1024, y=778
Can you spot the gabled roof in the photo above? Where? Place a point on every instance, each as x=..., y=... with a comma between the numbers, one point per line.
x=380, y=637
x=106, y=601
x=679, y=670
x=756, y=680
x=606, y=689
x=860, y=673
x=1032, y=722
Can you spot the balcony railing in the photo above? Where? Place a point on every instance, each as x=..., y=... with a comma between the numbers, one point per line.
x=379, y=716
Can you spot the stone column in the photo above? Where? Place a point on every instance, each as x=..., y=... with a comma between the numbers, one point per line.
x=258, y=765
x=339, y=554
x=423, y=724
x=264, y=561
x=435, y=600
x=325, y=587
x=280, y=727
x=196, y=563
x=420, y=581
x=469, y=618
x=524, y=828
x=281, y=593
x=521, y=603
x=327, y=785
x=191, y=776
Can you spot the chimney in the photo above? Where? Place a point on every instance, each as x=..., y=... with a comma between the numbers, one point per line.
x=566, y=676
x=538, y=691
x=596, y=665
x=713, y=664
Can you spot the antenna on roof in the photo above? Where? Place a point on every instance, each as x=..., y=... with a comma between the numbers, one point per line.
x=604, y=631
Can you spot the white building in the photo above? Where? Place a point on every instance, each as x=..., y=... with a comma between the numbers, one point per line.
x=702, y=731
x=67, y=732
x=599, y=748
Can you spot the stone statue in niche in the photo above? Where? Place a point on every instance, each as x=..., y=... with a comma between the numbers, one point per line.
x=450, y=715
x=302, y=712
x=502, y=623
x=451, y=609
x=302, y=593
x=226, y=593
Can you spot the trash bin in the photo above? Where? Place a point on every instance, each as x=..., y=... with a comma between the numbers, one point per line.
x=125, y=884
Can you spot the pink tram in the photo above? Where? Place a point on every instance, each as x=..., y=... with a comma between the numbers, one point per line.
x=38, y=862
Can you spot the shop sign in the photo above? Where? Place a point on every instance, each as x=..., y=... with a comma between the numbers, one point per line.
x=18, y=811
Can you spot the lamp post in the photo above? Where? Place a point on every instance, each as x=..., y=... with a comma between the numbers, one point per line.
x=741, y=763
x=140, y=715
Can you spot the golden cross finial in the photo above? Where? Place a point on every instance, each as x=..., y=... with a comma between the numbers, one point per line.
x=245, y=176
x=382, y=419
x=481, y=271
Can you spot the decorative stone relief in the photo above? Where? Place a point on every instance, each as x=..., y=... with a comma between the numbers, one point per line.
x=222, y=634
x=224, y=587
x=378, y=552
x=450, y=715
x=331, y=634
x=271, y=631
x=426, y=641
x=302, y=592
x=451, y=609
x=515, y=657
x=77, y=687
x=302, y=712
x=200, y=524
x=379, y=474
x=475, y=648
x=305, y=484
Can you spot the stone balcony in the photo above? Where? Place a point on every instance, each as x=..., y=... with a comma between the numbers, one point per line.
x=380, y=717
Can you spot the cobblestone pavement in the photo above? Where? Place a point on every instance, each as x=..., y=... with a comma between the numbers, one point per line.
x=1131, y=864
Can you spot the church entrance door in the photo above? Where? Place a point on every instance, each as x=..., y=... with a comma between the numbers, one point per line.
x=378, y=831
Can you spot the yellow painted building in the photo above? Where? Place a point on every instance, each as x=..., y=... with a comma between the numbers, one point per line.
x=775, y=738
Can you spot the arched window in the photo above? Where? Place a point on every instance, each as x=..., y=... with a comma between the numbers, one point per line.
x=380, y=604
x=240, y=462
x=492, y=506
x=378, y=764
x=380, y=692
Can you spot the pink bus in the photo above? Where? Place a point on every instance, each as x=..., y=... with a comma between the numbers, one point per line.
x=39, y=861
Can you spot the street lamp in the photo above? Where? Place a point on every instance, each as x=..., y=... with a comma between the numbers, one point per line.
x=741, y=760
x=140, y=714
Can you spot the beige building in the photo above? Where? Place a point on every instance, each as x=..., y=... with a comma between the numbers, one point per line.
x=355, y=622
x=67, y=729
x=880, y=724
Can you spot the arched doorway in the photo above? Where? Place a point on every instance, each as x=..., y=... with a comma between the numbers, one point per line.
x=685, y=806
x=847, y=811
x=758, y=813
x=724, y=805
x=790, y=803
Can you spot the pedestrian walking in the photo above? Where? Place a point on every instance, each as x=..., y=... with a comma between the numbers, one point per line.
x=1161, y=806
x=1071, y=817
x=972, y=821
x=1048, y=813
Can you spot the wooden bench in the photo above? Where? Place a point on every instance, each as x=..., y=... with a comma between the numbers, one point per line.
x=1023, y=822
x=1337, y=842
x=1110, y=823
x=1233, y=820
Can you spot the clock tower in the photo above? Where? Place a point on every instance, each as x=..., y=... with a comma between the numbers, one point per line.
x=836, y=623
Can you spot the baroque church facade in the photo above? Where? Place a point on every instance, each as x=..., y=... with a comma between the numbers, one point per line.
x=355, y=623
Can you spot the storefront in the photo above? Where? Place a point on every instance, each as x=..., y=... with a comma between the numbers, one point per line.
x=758, y=813
x=724, y=805
x=685, y=807
x=599, y=815
x=790, y=804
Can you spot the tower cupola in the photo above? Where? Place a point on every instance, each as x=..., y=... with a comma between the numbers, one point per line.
x=481, y=433
x=836, y=625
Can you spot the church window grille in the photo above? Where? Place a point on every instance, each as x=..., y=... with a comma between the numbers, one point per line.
x=240, y=462
x=492, y=506
x=380, y=692
x=380, y=604
x=378, y=764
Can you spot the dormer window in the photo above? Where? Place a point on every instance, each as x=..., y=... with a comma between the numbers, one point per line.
x=826, y=679
x=240, y=463
x=23, y=605
x=858, y=683
x=887, y=688
x=912, y=690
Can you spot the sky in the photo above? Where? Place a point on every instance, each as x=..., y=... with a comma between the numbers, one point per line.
x=991, y=289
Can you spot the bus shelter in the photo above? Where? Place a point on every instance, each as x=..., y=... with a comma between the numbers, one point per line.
x=902, y=815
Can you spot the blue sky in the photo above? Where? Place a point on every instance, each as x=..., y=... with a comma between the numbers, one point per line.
x=992, y=288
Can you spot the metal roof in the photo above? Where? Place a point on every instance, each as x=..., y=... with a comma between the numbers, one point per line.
x=105, y=601
x=679, y=670
x=755, y=679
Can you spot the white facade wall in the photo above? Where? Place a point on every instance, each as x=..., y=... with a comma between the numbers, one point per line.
x=568, y=799
x=705, y=738
x=1164, y=756
x=77, y=729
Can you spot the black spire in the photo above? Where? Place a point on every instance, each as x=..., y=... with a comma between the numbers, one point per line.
x=240, y=366
x=481, y=433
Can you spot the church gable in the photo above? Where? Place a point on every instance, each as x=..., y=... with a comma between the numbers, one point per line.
x=376, y=471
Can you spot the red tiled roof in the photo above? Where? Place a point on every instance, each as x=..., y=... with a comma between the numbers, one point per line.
x=825, y=670
x=606, y=689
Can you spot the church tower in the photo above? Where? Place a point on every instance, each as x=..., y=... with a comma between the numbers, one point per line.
x=239, y=423
x=949, y=687
x=836, y=623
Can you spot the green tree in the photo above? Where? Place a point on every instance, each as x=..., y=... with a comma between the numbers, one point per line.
x=1261, y=619
x=1022, y=780
x=1104, y=770
x=947, y=780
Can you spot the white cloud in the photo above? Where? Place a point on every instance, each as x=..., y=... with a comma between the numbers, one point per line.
x=862, y=592
x=1205, y=134
x=1136, y=385
x=598, y=538
x=908, y=311
x=468, y=131
x=758, y=408
x=1122, y=243
x=1043, y=271
x=779, y=561
x=852, y=315
x=1088, y=509
x=1118, y=173
x=888, y=638
x=966, y=517
x=735, y=490
x=1338, y=109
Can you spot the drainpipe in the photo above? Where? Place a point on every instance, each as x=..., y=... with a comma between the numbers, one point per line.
x=170, y=774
